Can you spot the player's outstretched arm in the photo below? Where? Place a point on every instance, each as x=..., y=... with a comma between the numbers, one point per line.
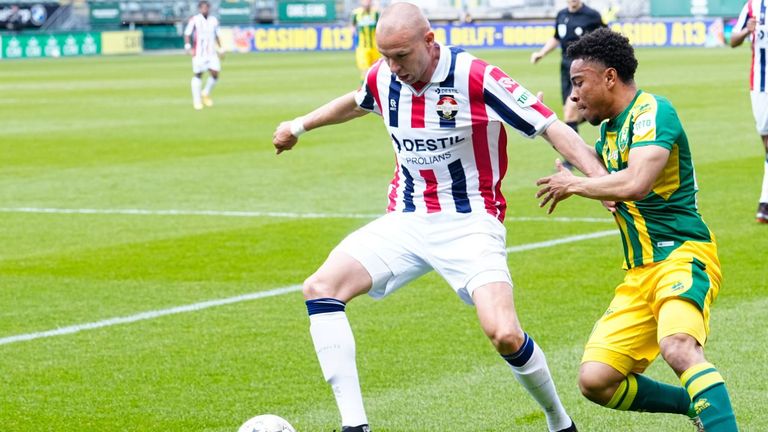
x=339, y=110
x=573, y=148
x=631, y=184
x=548, y=47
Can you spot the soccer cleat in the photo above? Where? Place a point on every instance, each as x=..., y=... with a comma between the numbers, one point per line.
x=198, y=106
x=207, y=101
x=571, y=428
x=697, y=424
x=762, y=213
x=361, y=428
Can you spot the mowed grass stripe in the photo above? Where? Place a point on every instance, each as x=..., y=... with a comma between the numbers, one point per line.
x=195, y=307
x=258, y=214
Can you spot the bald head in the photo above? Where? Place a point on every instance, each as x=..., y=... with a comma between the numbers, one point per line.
x=407, y=43
x=402, y=18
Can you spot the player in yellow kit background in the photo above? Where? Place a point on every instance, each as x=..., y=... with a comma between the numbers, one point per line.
x=364, y=20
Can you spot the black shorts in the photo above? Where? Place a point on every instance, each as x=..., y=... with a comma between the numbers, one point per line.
x=565, y=80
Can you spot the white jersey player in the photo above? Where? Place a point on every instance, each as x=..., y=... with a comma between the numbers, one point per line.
x=753, y=23
x=443, y=109
x=205, y=49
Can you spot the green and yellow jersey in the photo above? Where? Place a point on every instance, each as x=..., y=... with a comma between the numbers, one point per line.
x=365, y=27
x=655, y=226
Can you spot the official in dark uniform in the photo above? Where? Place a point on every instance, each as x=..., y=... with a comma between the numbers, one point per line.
x=571, y=23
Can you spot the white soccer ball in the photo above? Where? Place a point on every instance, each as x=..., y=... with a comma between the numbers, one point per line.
x=266, y=423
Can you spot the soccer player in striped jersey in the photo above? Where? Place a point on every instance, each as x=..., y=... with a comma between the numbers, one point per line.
x=364, y=20
x=205, y=53
x=753, y=23
x=444, y=111
x=673, y=272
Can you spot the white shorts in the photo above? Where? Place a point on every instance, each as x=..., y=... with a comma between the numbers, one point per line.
x=203, y=64
x=760, y=110
x=467, y=250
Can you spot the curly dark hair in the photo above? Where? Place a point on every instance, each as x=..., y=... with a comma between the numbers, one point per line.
x=608, y=48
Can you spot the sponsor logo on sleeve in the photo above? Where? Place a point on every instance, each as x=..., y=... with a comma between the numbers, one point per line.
x=645, y=123
x=523, y=97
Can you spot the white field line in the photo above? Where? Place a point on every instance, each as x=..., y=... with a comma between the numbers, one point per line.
x=560, y=241
x=143, y=316
x=256, y=214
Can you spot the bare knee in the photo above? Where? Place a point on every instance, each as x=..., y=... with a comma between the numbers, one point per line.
x=599, y=382
x=316, y=287
x=681, y=351
x=507, y=338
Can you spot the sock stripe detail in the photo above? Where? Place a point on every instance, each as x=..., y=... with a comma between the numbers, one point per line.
x=703, y=383
x=324, y=305
x=695, y=369
x=698, y=375
x=631, y=393
x=621, y=391
x=522, y=355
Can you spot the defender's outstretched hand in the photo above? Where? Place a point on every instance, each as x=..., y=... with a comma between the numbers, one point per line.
x=555, y=187
x=283, y=139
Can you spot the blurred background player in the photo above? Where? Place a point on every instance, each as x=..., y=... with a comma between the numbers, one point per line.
x=572, y=22
x=752, y=23
x=673, y=271
x=205, y=53
x=364, y=20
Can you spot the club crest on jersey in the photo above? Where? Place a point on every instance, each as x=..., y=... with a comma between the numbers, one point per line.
x=447, y=107
x=623, y=140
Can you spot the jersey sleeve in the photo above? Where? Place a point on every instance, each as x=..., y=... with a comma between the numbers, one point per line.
x=656, y=125
x=367, y=96
x=511, y=103
x=190, y=27
x=741, y=23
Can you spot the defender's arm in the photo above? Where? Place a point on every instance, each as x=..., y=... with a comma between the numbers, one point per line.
x=339, y=110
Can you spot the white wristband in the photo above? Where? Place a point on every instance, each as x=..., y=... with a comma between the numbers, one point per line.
x=187, y=46
x=297, y=127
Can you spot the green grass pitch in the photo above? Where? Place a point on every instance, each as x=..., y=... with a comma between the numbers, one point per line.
x=120, y=133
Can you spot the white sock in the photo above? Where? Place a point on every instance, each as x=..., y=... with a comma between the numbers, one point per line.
x=209, y=85
x=196, y=84
x=764, y=195
x=534, y=376
x=335, y=347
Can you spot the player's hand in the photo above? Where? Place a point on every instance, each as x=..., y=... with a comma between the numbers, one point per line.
x=610, y=206
x=751, y=25
x=540, y=96
x=220, y=52
x=555, y=187
x=283, y=139
x=536, y=56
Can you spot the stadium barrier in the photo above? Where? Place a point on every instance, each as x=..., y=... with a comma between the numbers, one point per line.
x=37, y=45
x=684, y=32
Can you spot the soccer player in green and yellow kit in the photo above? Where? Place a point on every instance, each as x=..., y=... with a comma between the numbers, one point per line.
x=364, y=19
x=673, y=272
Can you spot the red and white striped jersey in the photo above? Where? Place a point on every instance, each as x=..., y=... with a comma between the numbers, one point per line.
x=758, y=75
x=205, y=30
x=449, y=141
